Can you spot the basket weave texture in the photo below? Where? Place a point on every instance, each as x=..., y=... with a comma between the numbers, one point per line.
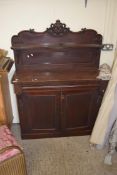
x=12, y=164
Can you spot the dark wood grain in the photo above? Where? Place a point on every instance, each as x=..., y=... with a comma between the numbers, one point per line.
x=57, y=47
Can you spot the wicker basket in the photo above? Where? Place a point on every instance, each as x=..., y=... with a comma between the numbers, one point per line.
x=15, y=165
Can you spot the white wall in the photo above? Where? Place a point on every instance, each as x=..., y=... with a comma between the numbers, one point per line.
x=17, y=15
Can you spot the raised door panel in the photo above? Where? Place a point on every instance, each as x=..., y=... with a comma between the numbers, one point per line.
x=79, y=110
x=39, y=112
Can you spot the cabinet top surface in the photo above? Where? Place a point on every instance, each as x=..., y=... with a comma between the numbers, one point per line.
x=54, y=77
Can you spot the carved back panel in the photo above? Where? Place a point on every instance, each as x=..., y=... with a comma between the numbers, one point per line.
x=57, y=48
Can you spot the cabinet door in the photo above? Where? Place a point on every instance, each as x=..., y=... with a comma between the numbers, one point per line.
x=79, y=109
x=39, y=112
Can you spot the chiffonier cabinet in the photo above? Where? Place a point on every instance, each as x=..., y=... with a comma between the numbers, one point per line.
x=6, y=115
x=58, y=93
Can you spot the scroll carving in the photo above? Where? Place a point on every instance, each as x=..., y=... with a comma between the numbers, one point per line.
x=30, y=37
x=58, y=29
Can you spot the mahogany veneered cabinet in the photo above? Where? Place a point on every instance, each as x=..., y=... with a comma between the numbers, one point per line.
x=58, y=93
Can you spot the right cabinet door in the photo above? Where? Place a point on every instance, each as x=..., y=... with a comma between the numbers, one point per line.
x=80, y=106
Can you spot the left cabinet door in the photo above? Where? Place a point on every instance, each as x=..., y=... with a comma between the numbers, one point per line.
x=39, y=112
